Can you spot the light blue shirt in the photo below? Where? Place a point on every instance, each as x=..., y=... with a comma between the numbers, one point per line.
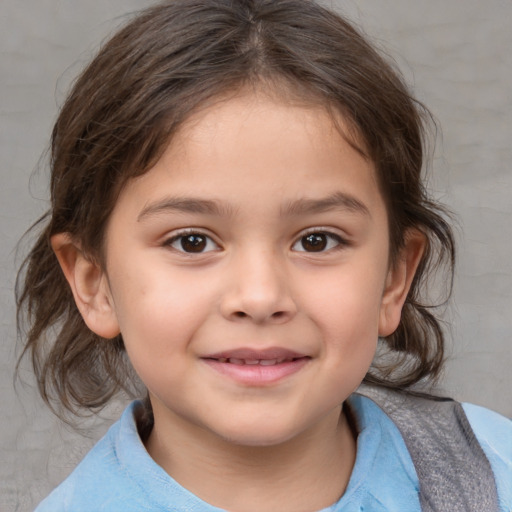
x=118, y=475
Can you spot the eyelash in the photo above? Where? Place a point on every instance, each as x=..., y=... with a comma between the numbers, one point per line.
x=332, y=241
x=182, y=236
x=327, y=241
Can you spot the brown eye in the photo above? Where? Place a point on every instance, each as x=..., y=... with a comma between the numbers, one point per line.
x=192, y=243
x=318, y=241
x=314, y=242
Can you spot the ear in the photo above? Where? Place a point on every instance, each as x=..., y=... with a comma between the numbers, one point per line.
x=89, y=285
x=399, y=280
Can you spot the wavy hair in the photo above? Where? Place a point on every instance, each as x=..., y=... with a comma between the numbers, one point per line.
x=123, y=110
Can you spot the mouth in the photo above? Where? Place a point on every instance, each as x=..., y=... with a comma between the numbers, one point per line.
x=257, y=367
x=261, y=362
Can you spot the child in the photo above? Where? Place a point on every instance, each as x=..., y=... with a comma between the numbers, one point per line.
x=238, y=214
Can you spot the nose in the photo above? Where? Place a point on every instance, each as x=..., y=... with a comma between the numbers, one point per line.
x=259, y=290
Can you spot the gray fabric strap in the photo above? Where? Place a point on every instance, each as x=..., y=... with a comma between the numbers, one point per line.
x=453, y=471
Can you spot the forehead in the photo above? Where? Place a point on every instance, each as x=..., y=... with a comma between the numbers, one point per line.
x=257, y=119
x=257, y=144
x=280, y=101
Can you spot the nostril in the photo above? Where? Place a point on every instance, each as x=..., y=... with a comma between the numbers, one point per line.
x=278, y=315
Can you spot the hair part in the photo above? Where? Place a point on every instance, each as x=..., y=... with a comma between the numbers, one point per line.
x=121, y=114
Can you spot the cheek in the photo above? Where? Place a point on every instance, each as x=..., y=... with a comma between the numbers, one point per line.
x=346, y=301
x=345, y=308
x=158, y=310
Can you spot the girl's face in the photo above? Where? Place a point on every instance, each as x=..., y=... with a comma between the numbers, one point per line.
x=248, y=272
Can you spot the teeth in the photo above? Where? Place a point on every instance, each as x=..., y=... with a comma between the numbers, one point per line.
x=253, y=362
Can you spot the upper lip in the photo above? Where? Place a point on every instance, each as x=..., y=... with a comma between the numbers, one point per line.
x=256, y=354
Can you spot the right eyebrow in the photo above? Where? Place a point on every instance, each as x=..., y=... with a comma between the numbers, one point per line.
x=184, y=205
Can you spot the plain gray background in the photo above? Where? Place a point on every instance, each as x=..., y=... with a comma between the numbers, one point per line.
x=457, y=54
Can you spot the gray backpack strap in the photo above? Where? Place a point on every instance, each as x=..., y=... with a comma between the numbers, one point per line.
x=453, y=471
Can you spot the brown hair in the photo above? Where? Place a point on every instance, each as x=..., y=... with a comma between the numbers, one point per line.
x=122, y=112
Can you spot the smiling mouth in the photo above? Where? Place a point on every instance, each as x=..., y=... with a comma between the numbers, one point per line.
x=270, y=356
x=257, y=368
x=253, y=362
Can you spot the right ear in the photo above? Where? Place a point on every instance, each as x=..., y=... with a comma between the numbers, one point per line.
x=89, y=285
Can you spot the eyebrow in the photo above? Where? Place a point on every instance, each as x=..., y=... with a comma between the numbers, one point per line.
x=185, y=205
x=336, y=201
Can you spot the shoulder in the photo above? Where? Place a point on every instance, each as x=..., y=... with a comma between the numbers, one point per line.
x=494, y=434
x=491, y=428
x=118, y=475
x=101, y=481
x=462, y=453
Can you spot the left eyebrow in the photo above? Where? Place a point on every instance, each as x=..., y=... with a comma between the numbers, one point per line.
x=336, y=201
x=184, y=205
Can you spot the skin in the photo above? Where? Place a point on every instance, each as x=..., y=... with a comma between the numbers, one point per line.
x=250, y=178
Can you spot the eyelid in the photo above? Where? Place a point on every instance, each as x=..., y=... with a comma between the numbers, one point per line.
x=341, y=241
x=175, y=236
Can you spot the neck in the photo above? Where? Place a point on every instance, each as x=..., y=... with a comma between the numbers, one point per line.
x=307, y=473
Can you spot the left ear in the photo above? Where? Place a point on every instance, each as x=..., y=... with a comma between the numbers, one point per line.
x=399, y=280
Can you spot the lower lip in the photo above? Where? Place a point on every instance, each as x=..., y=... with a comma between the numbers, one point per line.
x=257, y=374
